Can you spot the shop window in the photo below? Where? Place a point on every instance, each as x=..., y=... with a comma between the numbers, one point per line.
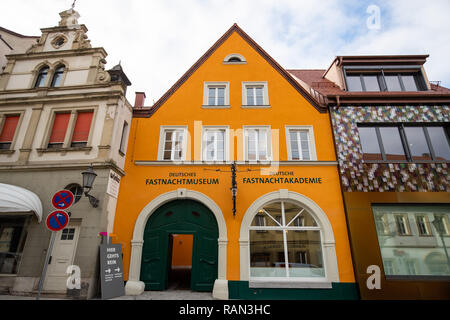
x=172, y=144
x=8, y=131
x=405, y=143
x=287, y=254
x=215, y=144
x=257, y=144
x=419, y=249
x=12, y=240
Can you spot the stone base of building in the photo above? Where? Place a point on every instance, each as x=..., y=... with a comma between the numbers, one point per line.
x=28, y=286
x=339, y=291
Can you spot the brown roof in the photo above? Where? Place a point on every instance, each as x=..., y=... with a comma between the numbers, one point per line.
x=148, y=111
x=328, y=92
x=17, y=34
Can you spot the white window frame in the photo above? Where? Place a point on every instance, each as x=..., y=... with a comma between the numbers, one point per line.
x=245, y=85
x=162, y=138
x=215, y=84
x=269, y=143
x=234, y=55
x=311, y=142
x=226, y=143
x=284, y=227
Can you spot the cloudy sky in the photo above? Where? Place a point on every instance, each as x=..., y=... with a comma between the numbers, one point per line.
x=158, y=40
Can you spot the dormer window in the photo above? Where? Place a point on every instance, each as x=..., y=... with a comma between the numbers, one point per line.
x=383, y=79
x=234, y=58
x=42, y=77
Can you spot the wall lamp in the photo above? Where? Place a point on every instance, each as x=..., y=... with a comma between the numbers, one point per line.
x=88, y=180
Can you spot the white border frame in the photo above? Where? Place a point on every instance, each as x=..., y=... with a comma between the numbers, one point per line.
x=268, y=128
x=327, y=238
x=208, y=84
x=265, y=94
x=136, y=287
x=311, y=141
x=162, y=141
x=226, y=143
x=234, y=55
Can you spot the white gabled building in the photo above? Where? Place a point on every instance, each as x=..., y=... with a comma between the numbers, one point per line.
x=61, y=111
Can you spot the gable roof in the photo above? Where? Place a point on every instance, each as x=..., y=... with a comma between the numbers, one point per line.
x=147, y=112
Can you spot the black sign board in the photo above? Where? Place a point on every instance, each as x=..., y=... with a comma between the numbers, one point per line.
x=111, y=273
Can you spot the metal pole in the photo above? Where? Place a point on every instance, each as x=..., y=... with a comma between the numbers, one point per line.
x=47, y=258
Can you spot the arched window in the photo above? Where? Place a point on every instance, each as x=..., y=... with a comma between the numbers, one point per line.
x=57, y=77
x=42, y=77
x=234, y=58
x=285, y=242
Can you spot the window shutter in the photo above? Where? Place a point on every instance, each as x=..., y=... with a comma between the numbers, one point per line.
x=59, y=128
x=9, y=128
x=82, y=127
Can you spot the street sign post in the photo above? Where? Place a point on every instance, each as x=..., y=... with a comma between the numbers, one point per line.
x=56, y=221
x=111, y=272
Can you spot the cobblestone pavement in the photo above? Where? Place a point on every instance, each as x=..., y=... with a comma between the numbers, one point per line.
x=169, y=295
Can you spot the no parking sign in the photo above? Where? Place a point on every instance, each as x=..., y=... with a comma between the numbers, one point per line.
x=62, y=199
x=57, y=220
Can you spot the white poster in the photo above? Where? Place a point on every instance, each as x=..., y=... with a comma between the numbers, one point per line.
x=113, y=184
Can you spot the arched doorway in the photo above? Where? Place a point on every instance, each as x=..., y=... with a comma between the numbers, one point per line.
x=180, y=217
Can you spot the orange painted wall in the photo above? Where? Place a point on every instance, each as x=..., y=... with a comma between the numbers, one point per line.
x=184, y=107
x=182, y=250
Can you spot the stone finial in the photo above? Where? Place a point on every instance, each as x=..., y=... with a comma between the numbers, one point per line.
x=69, y=18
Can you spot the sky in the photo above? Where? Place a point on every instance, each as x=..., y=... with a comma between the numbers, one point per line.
x=157, y=41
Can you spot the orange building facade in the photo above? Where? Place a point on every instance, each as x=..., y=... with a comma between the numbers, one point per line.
x=232, y=177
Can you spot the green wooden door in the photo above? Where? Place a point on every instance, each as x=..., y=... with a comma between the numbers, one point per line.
x=180, y=217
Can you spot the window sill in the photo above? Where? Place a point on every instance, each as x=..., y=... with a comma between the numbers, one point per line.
x=268, y=106
x=296, y=284
x=56, y=150
x=418, y=278
x=7, y=151
x=216, y=107
x=402, y=162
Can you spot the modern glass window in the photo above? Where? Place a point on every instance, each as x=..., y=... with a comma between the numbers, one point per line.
x=257, y=144
x=214, y=144
x=392, y=143
x=417, y=241
x=12, y=240
x=300, y=143
x=384, y=80
x=173, y=144
x=82, y=128
x=439, y=139
x=8, y=130
x=57, y=76
x=280, y=252
x=405, y=142
x=42, y=77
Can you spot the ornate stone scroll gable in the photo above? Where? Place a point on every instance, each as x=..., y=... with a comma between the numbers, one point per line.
x=69, y=18
x=102, y=75
x=81, y=40
x=358, y=176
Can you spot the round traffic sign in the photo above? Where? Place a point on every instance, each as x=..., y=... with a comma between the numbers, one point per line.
x=57, y=220
x=62, y=199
